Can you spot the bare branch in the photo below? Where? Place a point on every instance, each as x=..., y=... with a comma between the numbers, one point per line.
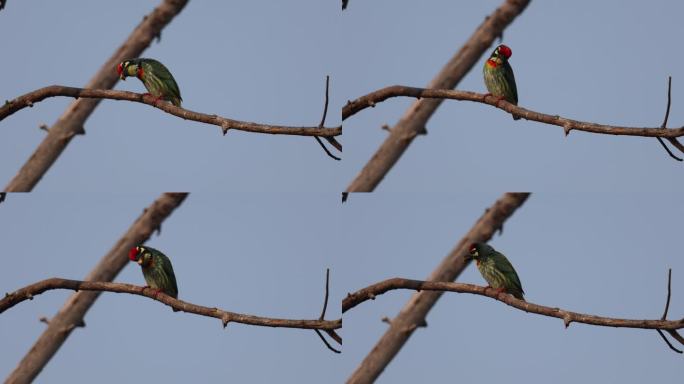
x=667, y=307
x=568, y=125
x=331, y=140
x=414, y=312
x=71, y=122
x=332, y=333
x=225, y=124
x=568, y=317
x=413, y=122
x=30, y=291
x=664, y=125
x=74, y=309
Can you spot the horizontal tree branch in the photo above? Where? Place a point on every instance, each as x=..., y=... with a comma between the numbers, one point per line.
x=27, y=100
x=371, y=99
x=28, y=292
x=369, y=293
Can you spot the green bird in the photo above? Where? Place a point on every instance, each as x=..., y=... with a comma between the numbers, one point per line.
x=156, y=269
x=496, y=269
x=499, y=78
x=155, y=76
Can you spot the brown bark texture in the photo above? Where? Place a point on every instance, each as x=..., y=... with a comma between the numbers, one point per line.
x=415, y=118
x=414, y=312
x=72, y=120
x=72, y=313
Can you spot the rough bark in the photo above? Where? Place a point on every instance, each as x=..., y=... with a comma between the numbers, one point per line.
x=72, y=313
x=71, y=122
x=414, y=119
x=414, y=312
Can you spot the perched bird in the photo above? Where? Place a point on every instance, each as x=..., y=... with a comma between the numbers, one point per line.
x=496, y=269
x=498, y=76
x=155, y=76
x=156, y=269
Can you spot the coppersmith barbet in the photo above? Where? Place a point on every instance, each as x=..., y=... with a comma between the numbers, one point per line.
x=155, y=77
x=496, y=269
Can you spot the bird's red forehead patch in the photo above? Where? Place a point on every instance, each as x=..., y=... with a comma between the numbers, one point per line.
x=504, y=50
x=133, y=254
x=119, y=68
x=472, y=248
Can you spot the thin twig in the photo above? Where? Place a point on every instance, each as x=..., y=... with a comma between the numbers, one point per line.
x=30, y=291
x=568, y=125
x=672, y=347
x=371, y=292
x=667, y=308
x=669, y=292
x=322, y=316
x=667, y=115
x=325, y=113
x=325, y=302
x=224, y=123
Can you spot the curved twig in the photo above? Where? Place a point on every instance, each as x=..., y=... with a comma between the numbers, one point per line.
x=330, y=333
x=27, y=100
x=28, y=292
x=568, y=317
x=568, y=125
x=331, y=140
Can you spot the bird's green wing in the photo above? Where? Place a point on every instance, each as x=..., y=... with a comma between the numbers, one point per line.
x=510, y=80
x=163, y=74
x=506, y=267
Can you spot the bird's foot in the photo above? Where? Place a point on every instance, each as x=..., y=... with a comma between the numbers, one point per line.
x=498, y=101
x=485, y=96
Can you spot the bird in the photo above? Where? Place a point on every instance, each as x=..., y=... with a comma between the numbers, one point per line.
x=155, y=77
x=499, y=78
x=496, y=269
x=156, y=269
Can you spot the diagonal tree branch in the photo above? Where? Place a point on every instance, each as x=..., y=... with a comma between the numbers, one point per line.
x=73, y=311
x=71, y=122
x=370, y=292
x=30, y=291
x=224, y=123
x=414, y=312
x=413, y=122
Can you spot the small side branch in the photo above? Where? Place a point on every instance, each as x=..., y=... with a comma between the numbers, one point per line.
x=568, y=125
x=330, y=333
x=664, y=124
x=30, y=291
x=331, y=140
x=672, y=332
x=369, y=293
x=29, y=99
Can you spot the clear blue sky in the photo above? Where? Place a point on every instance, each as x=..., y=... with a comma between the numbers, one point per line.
x=601, y=61
x=259, y=254
x=261, y=61
x=605, y=254
x=264, y=219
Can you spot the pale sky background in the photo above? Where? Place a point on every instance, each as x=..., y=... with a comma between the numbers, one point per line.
x=262, y=61
x=259, y=254
x=266, y=219
x=603, y=61
x=605, y=254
